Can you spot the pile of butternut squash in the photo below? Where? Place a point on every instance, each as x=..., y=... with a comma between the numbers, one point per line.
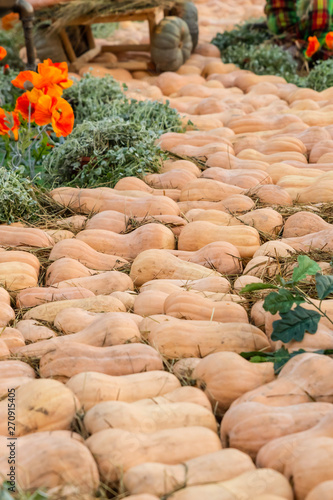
x=130, y=331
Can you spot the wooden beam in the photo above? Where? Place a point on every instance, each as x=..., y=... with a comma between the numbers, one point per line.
x=85, y=58
x=67, y=46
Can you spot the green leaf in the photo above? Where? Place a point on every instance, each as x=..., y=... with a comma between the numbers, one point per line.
x=306, y=267
x=281, y=301
x=294, y=324
x=282, y=356
x=253, y=287
x=324, y=285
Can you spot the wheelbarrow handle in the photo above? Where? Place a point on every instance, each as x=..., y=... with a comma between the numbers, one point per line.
x=26, y=12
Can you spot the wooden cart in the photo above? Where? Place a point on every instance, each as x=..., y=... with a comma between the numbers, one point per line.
x=153, y=16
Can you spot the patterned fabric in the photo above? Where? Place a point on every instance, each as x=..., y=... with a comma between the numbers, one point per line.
x=288, y=15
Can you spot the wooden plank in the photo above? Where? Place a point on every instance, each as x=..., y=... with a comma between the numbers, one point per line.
x=67, y=46
x=85, y=58
x=90, y=37
x=140, y=15
x=126, y=48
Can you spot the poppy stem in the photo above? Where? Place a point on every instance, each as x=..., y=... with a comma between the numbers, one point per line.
x=31, y=166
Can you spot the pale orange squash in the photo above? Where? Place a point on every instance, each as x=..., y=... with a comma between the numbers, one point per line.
x=227, y=161
x=323, y=491
x=66, y=269
x=271, y=195
x=108, y=220
x=128, y=388
x=170, y=83
x=107, y=448
x=100, y=284
x=116, y=360
x=24, y=237
x=150, y=302
x=58, y=402
x=185, y=339
x=225, y=376
x=133, y=183
x=12, y=337
x=161, y=479
x=184, y=165
x=239, y=424
x=302, y=223
x=35, y=296
x=32, y=331
x=234, y=204
x=20, y=256
x=16, y=276
x=198, y=234
x=84, y=253
x=129, y=245
x=173, y=179
x=160, y=264
x=66, y=462
x=208, y=190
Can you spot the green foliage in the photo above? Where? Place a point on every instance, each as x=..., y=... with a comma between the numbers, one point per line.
x=261, y=59
x=295, y=321
x=321, y=76
x=8, y=93
x=12, y=41
x=104, y=30
x=16, y=196
x=115, y=133
x=95, y=98
x=114, y=147
x=279, y=357
x=249, y=33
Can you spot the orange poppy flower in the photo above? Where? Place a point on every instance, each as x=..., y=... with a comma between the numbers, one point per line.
x=8, y=22
x=329, y=40
x=9, y=123
x=57, y=111
x=57, y=73
x=22, y=106
x=50, y=76
x=313, y=46
x=27, y=76
x=3, y=53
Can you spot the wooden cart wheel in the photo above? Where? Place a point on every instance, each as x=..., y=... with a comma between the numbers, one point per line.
x=171, y=44
x=189, y=13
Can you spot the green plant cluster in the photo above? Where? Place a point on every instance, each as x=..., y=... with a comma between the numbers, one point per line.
x=8, y=93
x=13, y=41
x=116, y=134
x=295, y=321
x=17, y=199
x=252, y=47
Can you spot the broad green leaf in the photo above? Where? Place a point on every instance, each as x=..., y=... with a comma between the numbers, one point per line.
x=306, y=267
x=282, y=356
x=294, y=324
x=281, y=301
x=253, y=287
x=324, y=285
x=258, y=359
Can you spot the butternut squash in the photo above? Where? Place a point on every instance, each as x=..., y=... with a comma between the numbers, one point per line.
x=170, y=83
x=242, y=281
x=302, y=223
x=199, y=233
x=261, y=266
x=66, y=269
x=59, y=234
x=182, y=394
x=252, y=154
x=114, y=459
x=7, y=314
x=116, y=360
x=100, y=303
x=100, y=284
x=13, y=338
x=73, y=223
x=219, y=255
x=143, y=418
x=274, y=249
x=133, y=183
x=107, y=330
x=66, y=462
x=271, y=195
x=235, y=204
x=150, y=302
x=183, y=368
x=250, y=483
x=20, y=256
x=183, y=165
x=293, y=386
x=109, y=220
x=152, y=264
x=224, y=376
x=88, y=201
x=173, y=179
x=35, y=296
x=321, y=240
x=210, y=284
x=86, y=254
x=32, y=331
x=239, y=424
x=126, y=388
x=161, y=479
x=323, y=491
x=15, y=368
x=57, y=402
x=24, y=237
x=185, y=339
x=129, y=245
x=208, y=190
x=15, y=276
x=190, y=306
x=227, y=161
